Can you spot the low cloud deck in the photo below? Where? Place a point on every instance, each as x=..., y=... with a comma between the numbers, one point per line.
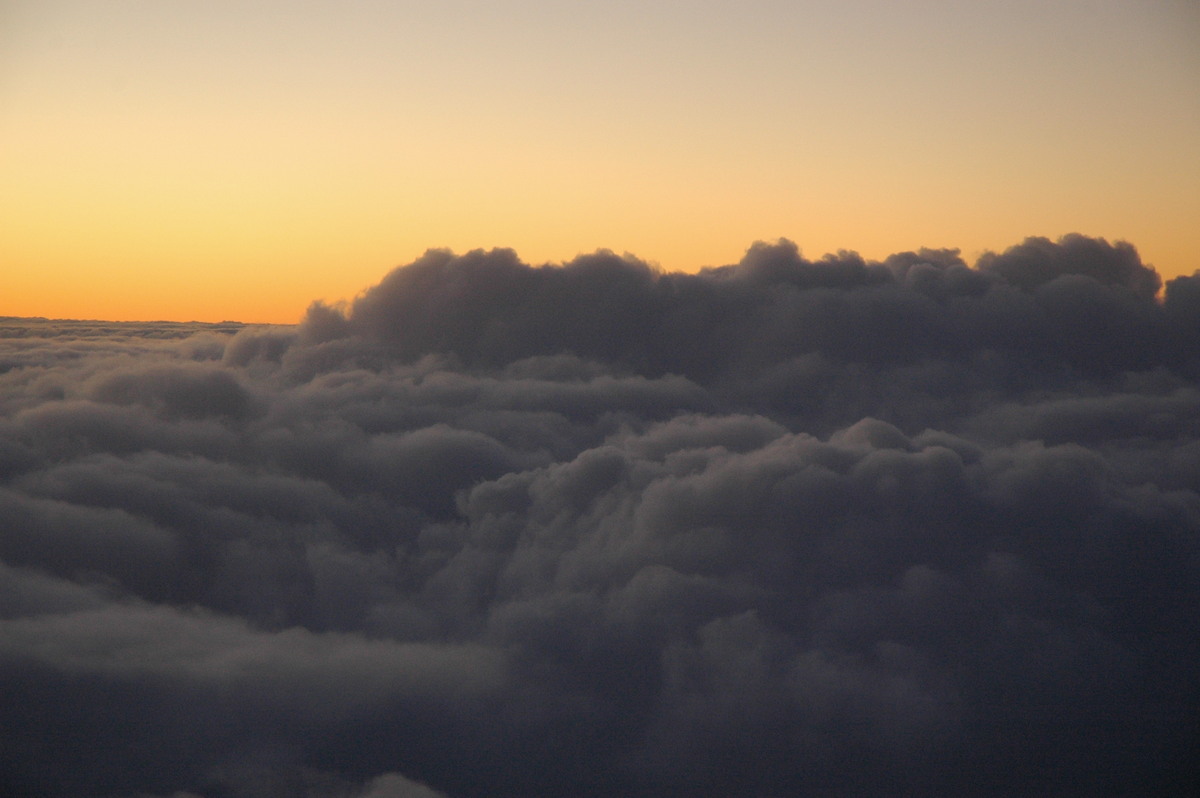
x=781, y=528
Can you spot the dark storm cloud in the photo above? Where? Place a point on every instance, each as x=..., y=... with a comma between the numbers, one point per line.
x=784, y=527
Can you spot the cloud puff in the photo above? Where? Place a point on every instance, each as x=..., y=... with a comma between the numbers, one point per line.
x=781, y=527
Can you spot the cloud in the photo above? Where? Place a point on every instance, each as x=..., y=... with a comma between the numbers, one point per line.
x=1039, y=261
x=1030, y=304
x=781, y=527
x=393, y=785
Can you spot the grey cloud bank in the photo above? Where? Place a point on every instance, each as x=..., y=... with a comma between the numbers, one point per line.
x=786, y=527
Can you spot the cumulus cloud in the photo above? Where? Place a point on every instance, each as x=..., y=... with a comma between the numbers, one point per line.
x=782, y=527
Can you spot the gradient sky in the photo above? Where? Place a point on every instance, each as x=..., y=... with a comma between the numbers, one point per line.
x=220, y=160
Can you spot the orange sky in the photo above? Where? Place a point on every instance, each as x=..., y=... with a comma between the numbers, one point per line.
x=220, y=160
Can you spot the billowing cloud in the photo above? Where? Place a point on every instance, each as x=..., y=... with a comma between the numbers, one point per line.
x=783, y=527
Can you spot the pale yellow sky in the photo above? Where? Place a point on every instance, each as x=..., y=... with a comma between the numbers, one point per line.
x=222, y=160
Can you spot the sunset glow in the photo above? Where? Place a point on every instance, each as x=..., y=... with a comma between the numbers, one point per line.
x=228, y=160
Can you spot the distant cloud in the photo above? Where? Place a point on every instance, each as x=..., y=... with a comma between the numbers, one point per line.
x=783, y=527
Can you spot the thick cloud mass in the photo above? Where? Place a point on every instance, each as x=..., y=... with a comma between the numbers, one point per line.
x=778, y=528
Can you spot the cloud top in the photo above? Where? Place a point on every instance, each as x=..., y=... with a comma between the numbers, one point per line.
x=783, y=527
x=1083, y=302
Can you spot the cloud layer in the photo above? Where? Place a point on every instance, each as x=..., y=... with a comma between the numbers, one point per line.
x=784, y=527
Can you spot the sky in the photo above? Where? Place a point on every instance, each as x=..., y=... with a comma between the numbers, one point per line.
x=236, y=161
x=795, y=527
